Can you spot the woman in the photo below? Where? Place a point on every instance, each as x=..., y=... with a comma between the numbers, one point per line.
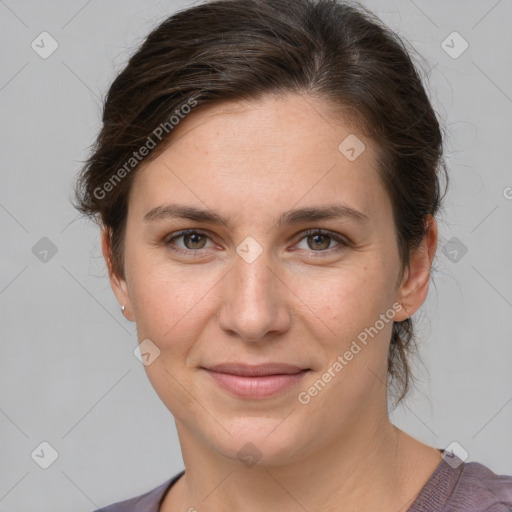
x=267, y=179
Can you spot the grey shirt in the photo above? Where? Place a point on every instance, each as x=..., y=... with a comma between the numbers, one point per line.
x=454, y=486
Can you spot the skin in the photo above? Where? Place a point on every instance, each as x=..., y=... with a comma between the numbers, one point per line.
x=301, y=301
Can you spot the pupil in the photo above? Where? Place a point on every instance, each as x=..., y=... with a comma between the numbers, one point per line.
x=194, y=237
x=316, y=237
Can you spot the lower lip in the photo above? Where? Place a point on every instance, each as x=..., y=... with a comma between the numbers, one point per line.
x=256, y=387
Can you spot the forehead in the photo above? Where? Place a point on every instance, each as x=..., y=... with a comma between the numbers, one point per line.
x=291, y=124
x=271, y=153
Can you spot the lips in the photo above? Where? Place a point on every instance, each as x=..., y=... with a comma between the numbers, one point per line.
x=256, y=370
x=256, y=381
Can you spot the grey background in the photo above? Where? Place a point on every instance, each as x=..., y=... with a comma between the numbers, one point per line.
x=67, y=369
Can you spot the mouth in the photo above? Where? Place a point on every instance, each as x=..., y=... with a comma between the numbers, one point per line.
x=256, y=381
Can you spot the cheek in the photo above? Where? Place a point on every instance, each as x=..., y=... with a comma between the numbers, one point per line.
x=170, y=310
x=344, y=319
x=346, y=300
x=348, y=331
x=168, y=300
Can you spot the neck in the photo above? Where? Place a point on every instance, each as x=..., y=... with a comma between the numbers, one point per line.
x=372, y=467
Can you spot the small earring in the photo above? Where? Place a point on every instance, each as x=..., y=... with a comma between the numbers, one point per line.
x=122, y=309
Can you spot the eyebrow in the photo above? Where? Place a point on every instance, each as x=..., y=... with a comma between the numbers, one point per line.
x=296, y=216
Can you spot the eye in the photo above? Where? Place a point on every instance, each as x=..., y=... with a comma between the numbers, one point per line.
x=319, y=240
x=193, y=241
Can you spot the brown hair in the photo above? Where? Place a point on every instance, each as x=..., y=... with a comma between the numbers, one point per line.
x=235, y=50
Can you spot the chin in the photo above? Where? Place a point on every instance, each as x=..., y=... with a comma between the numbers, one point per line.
x=256, y=440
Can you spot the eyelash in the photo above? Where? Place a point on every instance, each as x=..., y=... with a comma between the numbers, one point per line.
x=311, y=232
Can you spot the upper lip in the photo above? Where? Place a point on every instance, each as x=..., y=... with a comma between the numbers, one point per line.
x=254, y=370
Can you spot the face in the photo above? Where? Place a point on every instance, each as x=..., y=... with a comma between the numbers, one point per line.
x=274, y=282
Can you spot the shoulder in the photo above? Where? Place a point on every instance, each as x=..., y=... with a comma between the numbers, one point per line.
x=147, y=502
x=480, y=489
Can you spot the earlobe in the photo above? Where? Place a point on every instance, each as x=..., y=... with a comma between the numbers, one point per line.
x=119, y=286
x=121, y=292
x=414, y=288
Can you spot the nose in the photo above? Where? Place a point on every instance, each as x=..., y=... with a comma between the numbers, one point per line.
x=253, y=302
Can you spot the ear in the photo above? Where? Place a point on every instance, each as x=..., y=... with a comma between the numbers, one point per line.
x=414, y=287
x=117, y=283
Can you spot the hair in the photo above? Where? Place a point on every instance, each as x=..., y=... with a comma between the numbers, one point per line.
x=243, y=50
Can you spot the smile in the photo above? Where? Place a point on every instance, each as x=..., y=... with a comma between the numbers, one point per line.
x=256, y=382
